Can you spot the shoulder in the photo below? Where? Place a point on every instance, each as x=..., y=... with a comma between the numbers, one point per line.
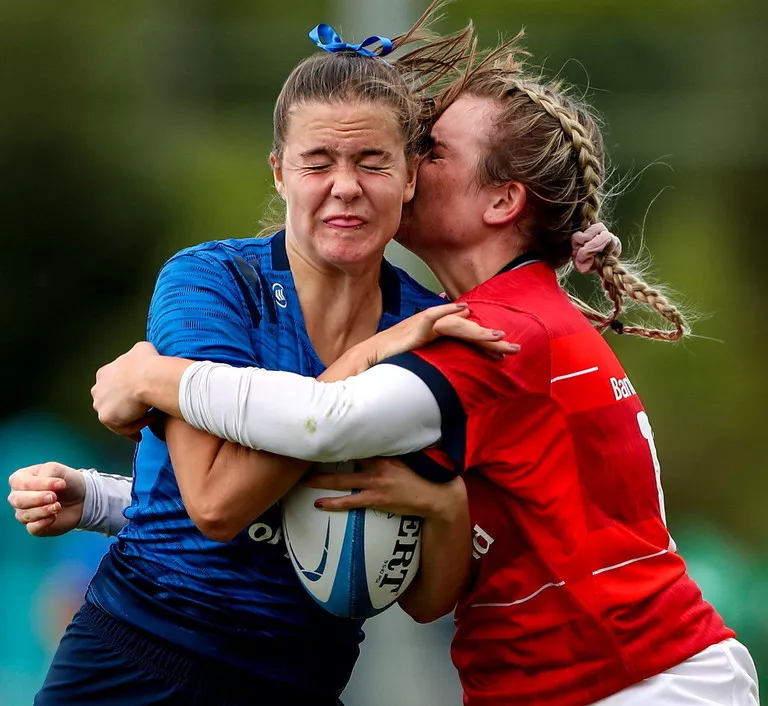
x=209, y=276
x=227, y=266
x=221, y=251
x=520, y=324
x=528, y=301
x=479, y=377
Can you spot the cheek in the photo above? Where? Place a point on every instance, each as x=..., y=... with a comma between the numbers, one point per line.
x=386, y=195
x=304, y=195
x=435, y=180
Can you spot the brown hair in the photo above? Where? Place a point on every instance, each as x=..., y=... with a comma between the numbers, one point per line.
x=406, y=84
x=403, y=83
x=552, y=144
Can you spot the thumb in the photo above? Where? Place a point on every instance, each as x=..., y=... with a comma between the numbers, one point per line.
x=53, y=470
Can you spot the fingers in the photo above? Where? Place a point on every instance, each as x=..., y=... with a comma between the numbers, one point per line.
x=463, y=328
x=473, y=332
x=499, y=348
x=436, y=313
x=36, y=514
x=39, y=528
x=26, y=499
x=131, y=431
x=340, y=481
x=365, y=498
x=43, y=476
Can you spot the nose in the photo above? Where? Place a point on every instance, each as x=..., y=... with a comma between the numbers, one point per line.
x=346, y=185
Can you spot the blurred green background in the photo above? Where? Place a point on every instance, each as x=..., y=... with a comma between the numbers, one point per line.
x=131, y=130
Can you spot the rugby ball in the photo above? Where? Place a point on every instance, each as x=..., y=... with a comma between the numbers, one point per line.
x=355, y=564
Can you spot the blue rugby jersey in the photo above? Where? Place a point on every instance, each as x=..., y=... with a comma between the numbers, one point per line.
x=240, y=602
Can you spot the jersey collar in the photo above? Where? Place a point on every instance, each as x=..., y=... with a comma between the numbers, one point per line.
x=279, y=253
x=389, y=282
x=526, y=258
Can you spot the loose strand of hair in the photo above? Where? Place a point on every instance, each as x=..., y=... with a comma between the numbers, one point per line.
x=618, y=278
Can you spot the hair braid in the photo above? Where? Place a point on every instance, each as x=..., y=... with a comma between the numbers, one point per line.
x=552, y=145
x=591, y=168
x=616, y=279
x=627, y=283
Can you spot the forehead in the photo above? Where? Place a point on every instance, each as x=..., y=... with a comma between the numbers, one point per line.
x=466, y=123
x=343, y=126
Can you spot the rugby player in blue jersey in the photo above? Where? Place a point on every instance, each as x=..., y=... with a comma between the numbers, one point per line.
x=191, y=605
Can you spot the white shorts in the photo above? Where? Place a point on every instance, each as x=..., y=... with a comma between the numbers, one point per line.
x=723, y=674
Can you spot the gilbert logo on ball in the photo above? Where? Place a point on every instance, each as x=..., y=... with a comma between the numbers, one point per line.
x=354, y=564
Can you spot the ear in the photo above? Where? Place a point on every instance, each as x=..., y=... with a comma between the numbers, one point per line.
x=277, y=173
x=507, y=204
x=412, y=167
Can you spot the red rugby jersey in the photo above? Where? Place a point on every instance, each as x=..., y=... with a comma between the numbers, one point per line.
x=576, y=590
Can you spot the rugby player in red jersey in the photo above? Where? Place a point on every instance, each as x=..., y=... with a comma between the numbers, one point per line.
x=575, y=593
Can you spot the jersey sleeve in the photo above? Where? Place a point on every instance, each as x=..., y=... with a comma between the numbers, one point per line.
x=106, y=498
x=476, y=393
x=199, y=312
x=384, y=411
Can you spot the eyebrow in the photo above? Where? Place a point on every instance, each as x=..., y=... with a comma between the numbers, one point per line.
x=330, y=152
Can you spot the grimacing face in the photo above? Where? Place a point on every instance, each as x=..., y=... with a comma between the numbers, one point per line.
x=445, y=210
x=344, y=178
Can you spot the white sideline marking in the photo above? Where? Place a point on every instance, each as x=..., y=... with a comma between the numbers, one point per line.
x=574, y=375
x=562, y=583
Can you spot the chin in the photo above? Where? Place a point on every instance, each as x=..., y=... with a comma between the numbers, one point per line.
x=349, y=253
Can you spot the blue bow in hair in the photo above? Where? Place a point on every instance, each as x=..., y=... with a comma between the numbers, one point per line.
x=326, y=38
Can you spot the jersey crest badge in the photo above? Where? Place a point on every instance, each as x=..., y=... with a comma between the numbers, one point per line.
x=279, y=292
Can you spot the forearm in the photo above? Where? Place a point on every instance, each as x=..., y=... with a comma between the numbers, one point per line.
x=158, y=383
x=446, y=549
x=244, y=483
x=385, y=411
x=106, y=497
x=224, y=486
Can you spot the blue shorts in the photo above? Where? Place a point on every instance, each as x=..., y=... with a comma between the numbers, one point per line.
x=105, y=662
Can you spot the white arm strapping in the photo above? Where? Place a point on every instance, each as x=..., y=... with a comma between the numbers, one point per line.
x=106, y=497
x=385, y=411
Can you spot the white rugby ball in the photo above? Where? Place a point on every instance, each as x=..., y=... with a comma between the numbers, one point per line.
x=355, y=564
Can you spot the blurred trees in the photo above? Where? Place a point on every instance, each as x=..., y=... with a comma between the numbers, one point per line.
x=129, y=131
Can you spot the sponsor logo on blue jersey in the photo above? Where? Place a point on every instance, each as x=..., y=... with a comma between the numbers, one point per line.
x=279, y=293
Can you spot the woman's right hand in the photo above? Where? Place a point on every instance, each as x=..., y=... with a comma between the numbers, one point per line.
x=449, y=320
x=48, y=498
x=389, y=485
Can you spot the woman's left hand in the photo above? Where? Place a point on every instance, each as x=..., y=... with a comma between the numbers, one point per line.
x=389, y=485
x=449, y=320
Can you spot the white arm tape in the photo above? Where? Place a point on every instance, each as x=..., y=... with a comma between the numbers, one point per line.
x=106, y=497
x=385, y=411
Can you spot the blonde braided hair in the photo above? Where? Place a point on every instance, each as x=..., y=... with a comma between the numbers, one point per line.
x=553, y=146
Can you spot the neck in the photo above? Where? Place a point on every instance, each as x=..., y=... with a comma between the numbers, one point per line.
x=341, y=306
x=463, y=268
